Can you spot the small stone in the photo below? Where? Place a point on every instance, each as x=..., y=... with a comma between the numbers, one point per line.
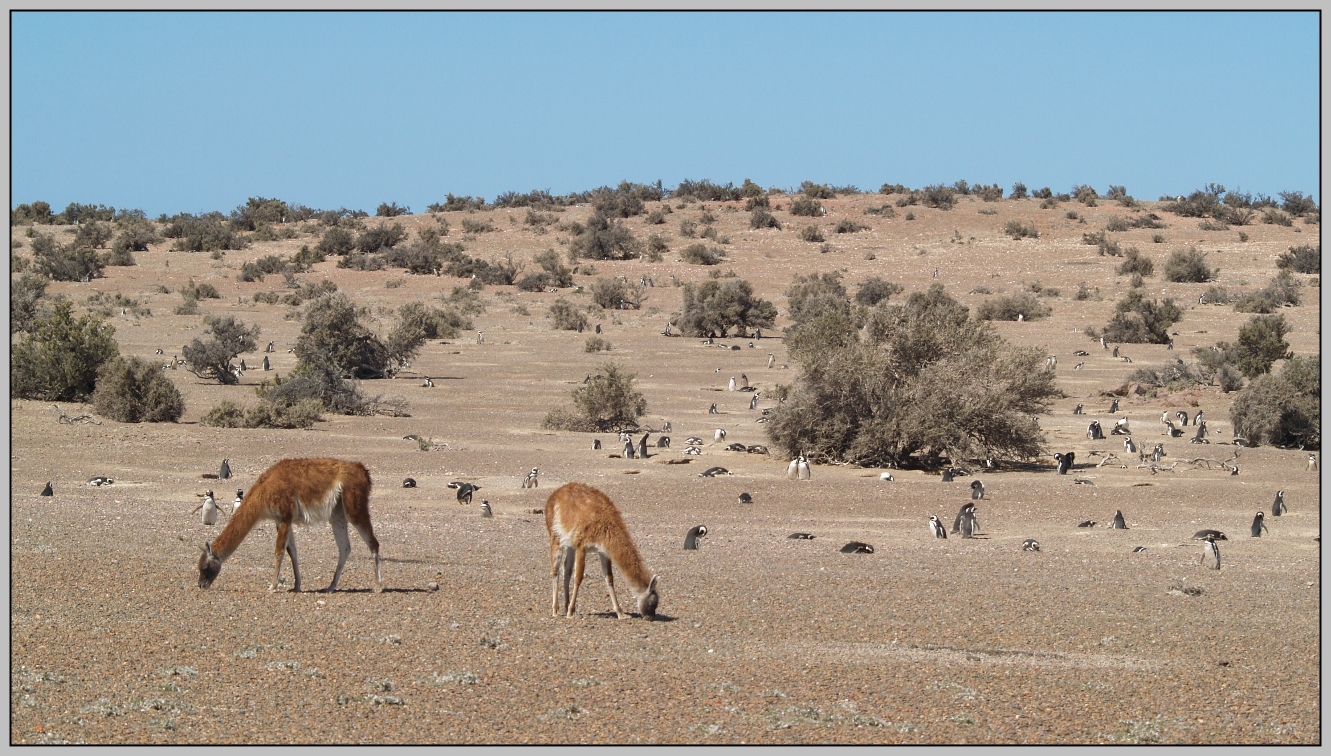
x=433, y=586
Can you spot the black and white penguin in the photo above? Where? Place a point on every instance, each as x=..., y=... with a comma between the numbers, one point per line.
x=1030, y=544
x=936, y=527
x=1258, y=525
x=236, y=502
x=801, y=536
x=712, y=472
x=485, y=508
x=642, y=446
x=629, y=453
x=1277, y=507
x=531, y=481
x=226, y=470
x=753, y=403
x=598, y=327
x=977, y=490
x=1139, y=549
x=99, y=481
x=1093, y=431
x=857, y=547
x=1182, y=418
x=746, y=498
x=1065, y=462
x=596, y=444
x=694, y=535
x=1128, y=446
x=712, y=409
x=1211, y=549
x=1086, y=524
x=465, y=490
x=966, y=524
x=1077, y=410
x=947, y=475
x=266, y=364
x=1202, y=535
x=1113, y=406
x=1119, y=523
x=663, y=442
x=47, y=491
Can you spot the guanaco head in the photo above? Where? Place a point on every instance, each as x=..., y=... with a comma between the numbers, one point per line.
x=649, y=599
x=209, y=566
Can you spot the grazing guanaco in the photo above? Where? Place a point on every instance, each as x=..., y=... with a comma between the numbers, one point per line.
x=300, y=491
x=579, y=517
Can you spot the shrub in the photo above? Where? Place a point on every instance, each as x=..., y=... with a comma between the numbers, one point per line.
x=706, y=191
x=1261, y=342
x=541, y=220
x=1085, y=292
x=812, y=234
x=848, y=226
x=654, y=218
x=1297, y=204
x=990, y=193
x=656, y=248
x=1137, y=320
x=885, y=211
x=617, y=294
x=811, y=296
x=265, y=297
x=923, y=382
x=25, y=298
x=893, y=189
x=1188, y=266
x=874, y=290
x=751, y=190
x=318, y=385
x=715, y=306
x=622, y=202
x=596, y=344
x=302, y=414
x=417, y=323
x=58, y=358
x=104, y=305
x=758, y=202
x=608, y=402
x=1116, y=224
x=60, y=262
x=1018, y=230
x=1018, y=191
x=701, y=254
x=1134, y=263
x=382, y=237
x=118, y=258
x=1281, y=291
x=336, y=241
x=761, y=218
x=37, y=213
x=603, y=239
x=1209, y=225
x=1285, y=409
x=391, y=210
x=92, y=234
x=224, y=415
x=1022, y=303
x=1084, y=194
x=332, y=339
x=1273, y=216
x=472, y=226
x=190, y=305
x=136, y=391
x=688, y=228
x=1304, y=258
x=566, y=317
x=1175, y=377
x=807, y=207
x=212, y=359
x=206, y=233
x=938, y=196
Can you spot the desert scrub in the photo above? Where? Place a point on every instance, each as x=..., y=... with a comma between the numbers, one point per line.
x=606, y=402
x=596, y=344
x=1188, y=266
x=1134, y=264
x=701, y=254
x=566, y=317
x=1304, y=258
x=807, y=207
x=848, y=226
x=1023, y=304
x=812, y=234
x=761, y=218
x=1018, y=230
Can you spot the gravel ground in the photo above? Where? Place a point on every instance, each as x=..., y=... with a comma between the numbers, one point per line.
x=762, y=640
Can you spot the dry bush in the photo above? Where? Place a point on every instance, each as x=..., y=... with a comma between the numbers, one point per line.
x=58, y=358
x=1022, y=303
x=874, y=290
x=1282, y=291
x=812, y=234
x=1304, y=258
x=761, y=218
x=701, y=254
x=566, y=317
x=136, y=391
x=1188, y=266
x=715, y=306
x=617, y=294
x=596, y=344
x=1138, y=320
x=603, y=239
x=1018, y=230
x=806, y=206
x=1134, y=264
x=1285, y=409
x=332, y=339
x=607, y=402
x=211, y=359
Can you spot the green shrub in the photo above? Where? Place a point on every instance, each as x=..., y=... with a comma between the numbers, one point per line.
x=211, y=359
x=472, y=226
x=938, y=196
x=874, y=290
x=1283, y=290
x=1273, y=216
x=453, y=204
x=656, y=248
x=1304, y=258
x=715, y=306
x=105, y=304
x=885, y=211
x=205, y=233
x=553, y=269
x=607, y=402
x=37, y=213
x=603, y=239
x=655, y=217
x=990, y=193
x=751, y=190
x=810, y=296
x=58, y=358
x=336, y=241
x=61, y=262
x=1261, y=342
x=566, y=317
x=391, y=210
x=617, y=294
x=812, y=234
x=848, y=226
x=224, y=415
x=1116, y=224
x=1022, y=303
x=596, y=344
x=92, y=234
x=1188, y=266
x=1018, y=191
x=758, y=202
x=701, y=254
x=1085, y=292
x=763, y=219
x=25, y=301
x=807, y=207
x=136, y=391
x=1138, y=320
x=706, y=191
x=1134, y=264
x=332, y=339
x=265, y=297
x=1084, y=194
x=417, y=323
x=379, y=238
x=1285, y=409
x=1018, y=230
x=816, y=191
x=893, y=189
x=923, y=383
x=1297, y=204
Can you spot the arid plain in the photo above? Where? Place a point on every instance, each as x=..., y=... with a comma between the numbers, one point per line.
x=763, y=639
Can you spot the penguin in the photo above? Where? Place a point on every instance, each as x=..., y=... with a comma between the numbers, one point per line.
x=1030, y=544
x=243, y=367
x=737, y=447
x=47, y=491
x=1086, y=524
x=1235, y=471
x=628, y=449
x=1258, y=525
x=581, y=326
x=1211, y=549
x=642, y=446
x=663, y=442
x=1128, y=446
x=1204, y=534
x=240, y=497
x=266, y=365
x=966, y=524
x=1065, y=462
x=428, y=383
x=1198, y=418
x=209, y=507
x=800, y=536
x=598, y=327
x=753, y=403
x=100, y=480
x=270, y=347
x=1277, y=508
x=746, y=498
x=1120, y=427
x=1119, y=524
x=977, y=490
x=947, y=475
x=712, y=472
x=732, y=384
x=465, y=490
x=1171, y=430
x=744, y=380
x=159, y=351
x=1182, y=418
x=1093, y=431
x=1077, y=410
x=693, y=441
x=1312, y=462
x=936, y=527
x=1139, y=549
x=792, y=472
x=857, y=547
x=886, y=476
x=531, y=481
x=803, y=469
x=771, y=360
x=1113, y=406
x=596, y=444
x=485, y=508
x=480, y=337
x=693, y=451
x=694, y=535
x=719, y=434
x=665, y=427
x=408, y=482
x=226, y=470
x=712, y=409
x=1115, y=351
x=757, y=449
x=1200, y=437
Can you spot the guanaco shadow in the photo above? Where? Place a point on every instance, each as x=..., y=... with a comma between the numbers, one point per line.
x=633, y=615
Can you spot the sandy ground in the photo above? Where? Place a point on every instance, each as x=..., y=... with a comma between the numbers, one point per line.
x=763, y=639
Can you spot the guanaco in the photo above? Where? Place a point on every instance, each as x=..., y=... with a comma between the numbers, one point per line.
x=579, y=517
x=300, y=491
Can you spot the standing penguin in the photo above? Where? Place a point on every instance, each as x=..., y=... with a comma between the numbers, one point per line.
x=485, y=508
x=1119, y=523
x=1128, y=446
x=209, y=507
x=1113, y=406
x=694, y=535
x=47, y=491
x=1277, y=508
x=1258, y=525
x=628, y=449
x=732, y=384
x=1064, y=462
x=596, y=444
x=753, y=403
x=977, y=490
x=965, y=522
x=771, y=360
x=1211, y=549
x=266, y=366
x=947, y=475
x=1093, y=431
x=936, y=527
x=226, y=470
x=802, y=472
x=793, y=471
x=240, y=497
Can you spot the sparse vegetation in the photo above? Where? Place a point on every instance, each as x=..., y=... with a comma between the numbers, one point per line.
x=1304, y=258
x=714, y=307
x=211, y=359
x=26, y=294
x=607, y=402
x=1138, y=320
x=58, y=358
x=136, y=391
x=1188, y=266
x=806, y=206
x=1134, y=264
x=65, y=262
x=1024, y=303
x=874, y=290
x=1285, y=409
x=1018, y=230
x=1261, y=342
x=812, y=234
x=596, y=344
x=603, y=239
x=617, y=294
x=1282, y=291
x=333, y=340
x=848, y=226
x=701, y=254
x=761, y=218
x=566, y=317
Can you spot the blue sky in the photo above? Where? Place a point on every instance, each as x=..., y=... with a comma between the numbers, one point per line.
x=174, y=112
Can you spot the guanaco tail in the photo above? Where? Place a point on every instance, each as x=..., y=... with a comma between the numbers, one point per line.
x=579, y=517
x=300, y=491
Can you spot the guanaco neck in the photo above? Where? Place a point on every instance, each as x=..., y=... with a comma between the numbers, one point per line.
x=240, y=525
x=625, y=556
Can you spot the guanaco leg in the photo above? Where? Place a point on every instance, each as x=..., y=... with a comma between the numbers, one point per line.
x=286, y=544
x=579, y=566
x=610, y=585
